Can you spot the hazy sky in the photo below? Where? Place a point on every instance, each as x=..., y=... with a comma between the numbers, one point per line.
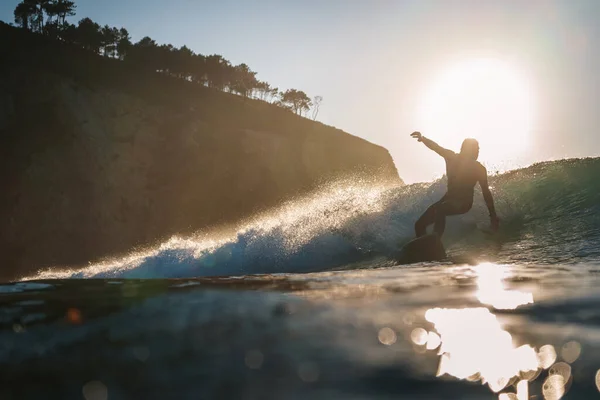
x=372, y=60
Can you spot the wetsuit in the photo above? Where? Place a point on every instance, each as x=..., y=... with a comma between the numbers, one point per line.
x=462, y=173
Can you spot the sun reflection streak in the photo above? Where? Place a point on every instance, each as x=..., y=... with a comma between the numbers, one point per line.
x=473, y=343
x=492, y=292
x=475, y=347
x=523, y=390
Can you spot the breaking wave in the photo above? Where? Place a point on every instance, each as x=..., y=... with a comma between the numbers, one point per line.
x=550, y=213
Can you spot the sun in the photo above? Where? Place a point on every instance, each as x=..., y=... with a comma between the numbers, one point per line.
x=485, y=99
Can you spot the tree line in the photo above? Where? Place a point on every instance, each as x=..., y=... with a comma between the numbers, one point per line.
x=49, y=17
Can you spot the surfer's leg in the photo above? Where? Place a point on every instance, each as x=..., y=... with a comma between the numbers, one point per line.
x=440, y=222
x=445, y=209
x=425, y=220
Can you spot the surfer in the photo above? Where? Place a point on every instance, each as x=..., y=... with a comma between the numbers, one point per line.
x=463, y=172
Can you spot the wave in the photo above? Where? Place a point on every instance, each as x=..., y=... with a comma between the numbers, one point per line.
x=550, y=213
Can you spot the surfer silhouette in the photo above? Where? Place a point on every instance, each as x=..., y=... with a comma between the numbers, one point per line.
x=463, y=172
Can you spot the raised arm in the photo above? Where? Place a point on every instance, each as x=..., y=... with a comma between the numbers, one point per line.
x=489, y=199
x=432, y=145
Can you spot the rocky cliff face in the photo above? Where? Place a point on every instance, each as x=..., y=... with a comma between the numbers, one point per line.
x=96, y=160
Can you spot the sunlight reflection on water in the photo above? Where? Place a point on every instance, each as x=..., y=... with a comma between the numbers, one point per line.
x=490, y=280
x=474, y=343
x=475, y=347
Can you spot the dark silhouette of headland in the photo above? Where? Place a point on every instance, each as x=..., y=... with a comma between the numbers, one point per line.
x=108, y=145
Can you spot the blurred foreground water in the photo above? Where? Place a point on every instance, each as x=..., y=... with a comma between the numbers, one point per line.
x=414, y=332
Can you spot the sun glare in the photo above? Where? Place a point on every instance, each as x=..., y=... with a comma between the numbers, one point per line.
x=491, y=288
x=485, y=99
x=473, y=344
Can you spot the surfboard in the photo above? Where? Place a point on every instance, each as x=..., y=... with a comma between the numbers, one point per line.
x=422, y=249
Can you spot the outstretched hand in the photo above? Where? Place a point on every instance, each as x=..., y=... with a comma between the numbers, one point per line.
x=417, y=135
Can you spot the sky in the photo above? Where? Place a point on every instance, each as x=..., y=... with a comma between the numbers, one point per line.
x=374, y=61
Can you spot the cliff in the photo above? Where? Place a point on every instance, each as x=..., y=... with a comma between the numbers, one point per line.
x=97, y=158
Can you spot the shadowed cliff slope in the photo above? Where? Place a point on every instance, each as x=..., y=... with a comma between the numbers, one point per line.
x=97, y=158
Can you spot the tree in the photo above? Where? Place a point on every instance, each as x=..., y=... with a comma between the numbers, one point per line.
x=316, y=105
x=64, y=9
x=198, y=69
x=145, y=54
x=69, y=33
x=243, y=80
x=40, y=6
x=24, y=13
x=89, y=35
x=52, y=29
x=296, y=100
x=31, y=14
x=181, y=62
x=217, y=71
x=266, y=92
x=123, y=43
x=51, y=9
x=274, y=95
x=165, y=58
x=110, y=38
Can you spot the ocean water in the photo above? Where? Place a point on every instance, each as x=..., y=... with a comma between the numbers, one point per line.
x=307, y=301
